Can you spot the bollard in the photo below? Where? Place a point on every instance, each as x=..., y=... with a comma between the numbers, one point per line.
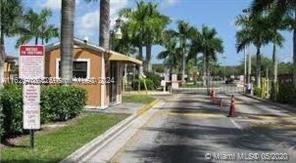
x=232, y=107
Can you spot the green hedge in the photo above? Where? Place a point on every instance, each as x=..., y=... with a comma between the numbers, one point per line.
x=11, y=100
x=286, y=94
x=58, y=103
x=152, y=82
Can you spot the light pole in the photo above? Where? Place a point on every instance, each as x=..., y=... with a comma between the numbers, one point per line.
x=116, y=33
x=224, y=59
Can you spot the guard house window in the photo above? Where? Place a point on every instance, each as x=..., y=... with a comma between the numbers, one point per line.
x=79, y=69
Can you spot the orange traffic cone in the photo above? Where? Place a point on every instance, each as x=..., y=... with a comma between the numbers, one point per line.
x=232, y=107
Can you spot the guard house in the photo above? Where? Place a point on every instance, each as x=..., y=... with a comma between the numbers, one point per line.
x=89, y=63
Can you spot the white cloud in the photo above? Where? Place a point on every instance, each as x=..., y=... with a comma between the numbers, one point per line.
x=115, y=7
x=172, y=2
x=89, y=22
x=54, y=4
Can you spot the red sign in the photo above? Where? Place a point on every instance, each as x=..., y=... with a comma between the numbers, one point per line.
x=26, y=50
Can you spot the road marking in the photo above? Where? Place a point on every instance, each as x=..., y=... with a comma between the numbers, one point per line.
x=236, y=124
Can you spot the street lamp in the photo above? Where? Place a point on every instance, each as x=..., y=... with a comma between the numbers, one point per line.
x=116, y=32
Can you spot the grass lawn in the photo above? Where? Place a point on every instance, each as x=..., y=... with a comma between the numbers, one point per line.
x=55, y=144
x=137, y=99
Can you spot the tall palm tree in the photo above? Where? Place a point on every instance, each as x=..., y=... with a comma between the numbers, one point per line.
x=67, y=35
x=253, y=31
x=35, y=26
x=276, y=38
x=172, y=52
x=10, y=12
x=184, y=33
x=210, y=45
x=282, y=8
x=146, y=23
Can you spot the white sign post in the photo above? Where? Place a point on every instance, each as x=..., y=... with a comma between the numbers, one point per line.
x=31, y=69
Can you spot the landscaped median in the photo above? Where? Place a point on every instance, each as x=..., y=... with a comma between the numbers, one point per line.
x=57, y=140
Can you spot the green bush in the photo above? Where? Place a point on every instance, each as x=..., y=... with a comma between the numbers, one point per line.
x=257, y=91
x=149, y=84
x=156, y=79
x=11, y=100
x=58, y=103
x=152, y=82
x=286, y=94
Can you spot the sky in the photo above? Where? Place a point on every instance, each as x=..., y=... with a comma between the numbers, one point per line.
x=218, y=14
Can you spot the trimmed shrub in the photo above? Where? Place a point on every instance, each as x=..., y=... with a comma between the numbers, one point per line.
x=149, y=84
x=156, y=79
x=58, y=103
x=286, y=94
x=11, y=100
x=152, y=82
x=257, y=92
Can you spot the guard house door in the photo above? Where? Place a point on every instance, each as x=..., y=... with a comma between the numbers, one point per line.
x=113, y=78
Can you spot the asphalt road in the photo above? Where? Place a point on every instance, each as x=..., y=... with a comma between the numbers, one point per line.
x=189, y=128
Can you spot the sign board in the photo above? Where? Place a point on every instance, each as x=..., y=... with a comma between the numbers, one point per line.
x=162, y=83
x=31, y=67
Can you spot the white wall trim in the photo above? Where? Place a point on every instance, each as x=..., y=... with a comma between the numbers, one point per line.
x=78, y=59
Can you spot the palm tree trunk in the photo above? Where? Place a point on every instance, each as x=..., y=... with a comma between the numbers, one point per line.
x=105, y=43
x=141, y=52
x=36, y=40
x=275, y=72
x=67, y=31
x=2, y=48
x=183, y=67
x=207, y=75
x=148, y=66
x=258, y=68
x=204, y=70
x=294, y=56
x=2, y=60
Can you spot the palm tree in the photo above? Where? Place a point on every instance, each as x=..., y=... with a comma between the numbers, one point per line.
x=10, y=12
x=276, y=24
x=282, y=8
x=35, y=26
x=67, y=34
x=209, y=44
x=253, y=31
x=146, y=24
x=172, y=52
x=184, y=33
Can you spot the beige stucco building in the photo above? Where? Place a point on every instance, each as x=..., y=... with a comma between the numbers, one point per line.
x=89, y=65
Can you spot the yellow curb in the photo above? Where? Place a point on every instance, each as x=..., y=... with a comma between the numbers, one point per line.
x=146, y=107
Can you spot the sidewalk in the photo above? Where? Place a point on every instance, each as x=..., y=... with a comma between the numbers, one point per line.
x=125, y=108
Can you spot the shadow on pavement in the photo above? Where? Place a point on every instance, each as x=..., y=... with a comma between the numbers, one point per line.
x=174, y=153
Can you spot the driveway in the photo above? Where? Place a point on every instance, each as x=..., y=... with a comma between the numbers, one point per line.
x=189, y=128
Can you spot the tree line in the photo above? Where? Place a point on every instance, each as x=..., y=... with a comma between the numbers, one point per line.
x=261, y=24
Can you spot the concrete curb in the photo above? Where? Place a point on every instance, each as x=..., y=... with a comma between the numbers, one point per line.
x=103, y=139
x=288, y=108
